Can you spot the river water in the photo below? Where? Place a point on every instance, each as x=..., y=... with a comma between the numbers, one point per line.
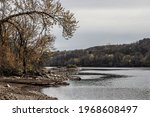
x=134, y=84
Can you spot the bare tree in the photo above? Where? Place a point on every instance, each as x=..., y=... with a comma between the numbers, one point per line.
x=25, y=27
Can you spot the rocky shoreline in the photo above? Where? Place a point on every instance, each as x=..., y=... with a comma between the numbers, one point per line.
x=21, y=92
x=28, y=87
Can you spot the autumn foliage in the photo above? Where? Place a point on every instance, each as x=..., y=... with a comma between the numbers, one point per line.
x=25, y=32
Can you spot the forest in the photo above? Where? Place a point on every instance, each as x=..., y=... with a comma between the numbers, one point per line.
x=124, y=55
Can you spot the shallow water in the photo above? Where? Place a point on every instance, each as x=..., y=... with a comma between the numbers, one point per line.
x=136, y=85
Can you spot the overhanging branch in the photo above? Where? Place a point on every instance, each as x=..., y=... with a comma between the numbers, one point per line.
x=26, y=13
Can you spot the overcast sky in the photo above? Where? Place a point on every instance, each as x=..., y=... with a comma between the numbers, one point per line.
x=106, y=22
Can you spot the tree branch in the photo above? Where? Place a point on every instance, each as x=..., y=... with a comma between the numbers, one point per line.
x=26, y=13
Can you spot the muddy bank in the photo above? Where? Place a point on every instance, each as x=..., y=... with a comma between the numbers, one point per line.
x=104, y=75
x=28, y=88
x=21, y=92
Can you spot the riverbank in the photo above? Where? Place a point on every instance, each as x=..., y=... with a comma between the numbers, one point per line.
x=14, y=91
x=106, y=84
x=29, y=87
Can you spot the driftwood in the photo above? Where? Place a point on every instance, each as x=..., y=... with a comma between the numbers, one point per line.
x=38, y=82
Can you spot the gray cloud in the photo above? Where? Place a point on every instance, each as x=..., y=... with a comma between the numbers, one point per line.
x=105, y=3
x=85, y=39
x=106, y=22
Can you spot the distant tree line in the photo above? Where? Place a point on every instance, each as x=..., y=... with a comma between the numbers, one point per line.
x=126, y=55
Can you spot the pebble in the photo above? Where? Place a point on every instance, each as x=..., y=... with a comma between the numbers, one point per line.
x=7, y=85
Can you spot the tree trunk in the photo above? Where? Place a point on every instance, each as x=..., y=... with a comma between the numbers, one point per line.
x=25, y=59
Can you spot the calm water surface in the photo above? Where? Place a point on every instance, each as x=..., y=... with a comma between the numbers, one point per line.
x=135, y=85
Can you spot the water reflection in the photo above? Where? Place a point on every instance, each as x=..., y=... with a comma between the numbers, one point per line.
x=98, y=87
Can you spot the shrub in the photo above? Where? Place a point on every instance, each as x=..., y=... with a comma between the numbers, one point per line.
x=71, y=66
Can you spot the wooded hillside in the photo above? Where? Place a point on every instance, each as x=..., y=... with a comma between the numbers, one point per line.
x=126, y=55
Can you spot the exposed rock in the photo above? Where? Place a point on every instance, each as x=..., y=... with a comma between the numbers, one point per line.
x=75, y=78
x=7, y=85
x=28, y=86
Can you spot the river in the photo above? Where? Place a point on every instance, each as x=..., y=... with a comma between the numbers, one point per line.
x=99, y=83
